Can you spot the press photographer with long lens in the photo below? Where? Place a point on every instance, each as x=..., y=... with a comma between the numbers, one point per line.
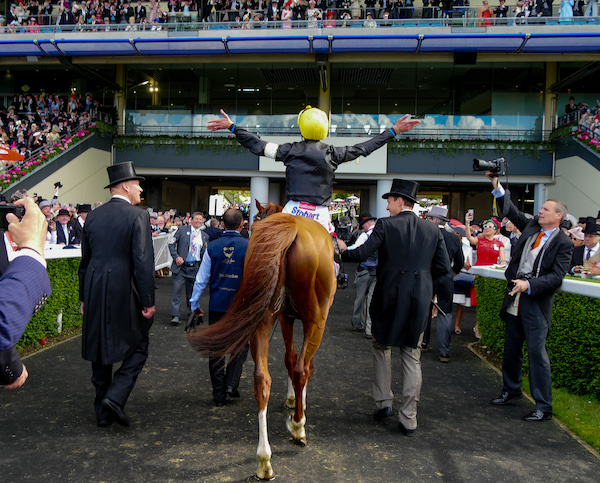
x=540, y=260
x=24, y=284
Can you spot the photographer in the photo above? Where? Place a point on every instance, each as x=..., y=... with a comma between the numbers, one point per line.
x=540, y=260
x=24, y=286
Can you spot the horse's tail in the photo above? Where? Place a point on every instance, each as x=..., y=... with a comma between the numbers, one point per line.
x=264, y=270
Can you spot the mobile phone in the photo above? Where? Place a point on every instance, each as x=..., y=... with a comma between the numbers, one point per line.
x=19, y=211
x=471, y=211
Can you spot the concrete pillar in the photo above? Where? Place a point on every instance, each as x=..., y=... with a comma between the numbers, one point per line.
x=325, y=95
x=372, y=206
x=121, y=96
x=379, y=209
x=539, y=196
x=549, y=96
x=259, y=190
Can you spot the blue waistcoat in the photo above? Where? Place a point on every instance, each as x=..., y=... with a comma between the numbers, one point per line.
x=227, y=255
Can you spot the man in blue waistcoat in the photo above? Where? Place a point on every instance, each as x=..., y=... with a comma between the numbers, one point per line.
x=222, y=267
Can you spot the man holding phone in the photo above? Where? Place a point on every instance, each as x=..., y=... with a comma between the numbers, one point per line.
x=24, y=286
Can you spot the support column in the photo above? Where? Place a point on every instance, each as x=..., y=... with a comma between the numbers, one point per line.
x=275, y=193
x=372, y=207
x=121, y=96
x=383, y=186
x=550, y=97
x=539, y=196
x=325, y=88
x=259, y=190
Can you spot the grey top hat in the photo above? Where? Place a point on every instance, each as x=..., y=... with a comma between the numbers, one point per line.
x=121, y=172
x=439, y=212
x=404, y=189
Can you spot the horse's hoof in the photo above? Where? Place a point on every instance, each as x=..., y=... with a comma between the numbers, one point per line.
x=264, y=471
x=290, y=403
x=298, y=442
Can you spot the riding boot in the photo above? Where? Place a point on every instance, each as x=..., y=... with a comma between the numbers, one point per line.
x=342, y=278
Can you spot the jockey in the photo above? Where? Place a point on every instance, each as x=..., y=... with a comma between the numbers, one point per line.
x=310, y=164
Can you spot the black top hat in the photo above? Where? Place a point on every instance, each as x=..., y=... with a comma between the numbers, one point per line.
x=121, y=172
x=63, y=211
x=591, y=229
x=84, y=208
x=362, y=219
x=598, y=216
x=403, y=188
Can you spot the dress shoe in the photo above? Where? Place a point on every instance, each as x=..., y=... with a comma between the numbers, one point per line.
x=424, y=347
x=219, y=404
x=383, y=413
x=503, y=398
x=116, y=411
x=175, y=321
x=537, y=415
x=233, y=392
x=406, y=432
x=104, y=423
x=444, y=357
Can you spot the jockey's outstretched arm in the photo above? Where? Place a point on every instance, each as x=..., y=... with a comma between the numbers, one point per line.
x=247, y=139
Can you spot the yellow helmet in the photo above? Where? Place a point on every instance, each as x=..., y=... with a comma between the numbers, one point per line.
x=313, y=123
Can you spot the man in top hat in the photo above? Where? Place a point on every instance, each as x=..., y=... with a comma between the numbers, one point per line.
x=443, y=287
x=311, y=164
x=46, y=208
x=587, y=255
x=65, y=234
x=365, y=277
x=78, y=222
x=411, y=255
x=116, y=288
x=540, y=259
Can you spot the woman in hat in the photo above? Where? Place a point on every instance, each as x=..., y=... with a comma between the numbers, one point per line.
x=489, y=251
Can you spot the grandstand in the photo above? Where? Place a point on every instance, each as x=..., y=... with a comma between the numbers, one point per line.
x=481, y=90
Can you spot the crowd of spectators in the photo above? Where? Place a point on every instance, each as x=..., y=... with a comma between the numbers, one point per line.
x=33, y=122
x=92, y=15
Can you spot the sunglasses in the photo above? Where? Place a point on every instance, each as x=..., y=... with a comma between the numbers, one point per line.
x=490, y=226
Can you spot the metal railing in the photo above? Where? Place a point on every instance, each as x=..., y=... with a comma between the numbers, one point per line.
x=458, y=17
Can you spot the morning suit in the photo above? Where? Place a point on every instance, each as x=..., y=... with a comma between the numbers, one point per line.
x=579, y=260
x=24, y=287
x=411, y=254
x=116, y=281
x=77, y=229
x=67, y=239
x=443, y=287
x=186, y=273
x=532, y=322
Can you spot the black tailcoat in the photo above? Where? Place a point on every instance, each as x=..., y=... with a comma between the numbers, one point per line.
x=412, y=254
x=116, y=280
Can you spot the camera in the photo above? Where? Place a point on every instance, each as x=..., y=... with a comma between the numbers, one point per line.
x=498, y=166
x=19, y=211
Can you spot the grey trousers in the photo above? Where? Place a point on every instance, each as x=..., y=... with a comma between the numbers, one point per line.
x=411, y=381
x=187, y=276
x=365, y=285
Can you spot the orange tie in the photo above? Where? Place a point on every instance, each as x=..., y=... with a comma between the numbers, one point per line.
x=537, y=241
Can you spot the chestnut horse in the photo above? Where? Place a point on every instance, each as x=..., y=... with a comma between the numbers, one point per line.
x=288, y=271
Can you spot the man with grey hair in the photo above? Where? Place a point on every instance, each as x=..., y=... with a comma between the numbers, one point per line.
x=540, y=260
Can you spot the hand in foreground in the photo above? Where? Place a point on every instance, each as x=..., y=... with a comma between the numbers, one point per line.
x=342, y=245
x=148, y=312
x=31, y=230
x=520, y=286
x=179, y=261
x=200, y=312
x=493, y=178
x=469, y=218
x=405, y=124
x=19, y=381
x=222, y=123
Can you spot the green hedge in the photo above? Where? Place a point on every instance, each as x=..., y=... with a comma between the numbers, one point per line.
x=574, y=341
x=65, y=298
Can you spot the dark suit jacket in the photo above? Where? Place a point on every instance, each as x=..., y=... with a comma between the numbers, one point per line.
x=444, y=286
x=60, y=234
x=116, y=280
x=77, y=229
x=553, y=265
x=411, y=253
x=23, y=288
x=180, y=246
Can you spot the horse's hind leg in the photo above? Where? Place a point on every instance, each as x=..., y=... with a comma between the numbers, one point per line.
x=259, y=347
x=287, y=329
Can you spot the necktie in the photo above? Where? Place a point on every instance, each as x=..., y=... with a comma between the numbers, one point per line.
x=537, y=241
x=588, y=254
